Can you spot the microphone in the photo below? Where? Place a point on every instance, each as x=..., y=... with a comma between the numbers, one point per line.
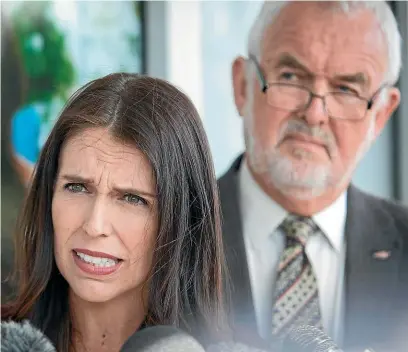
x=23, y=337
x=308, y=338
x=304, y=338
x=161, y=339
x=232, y=347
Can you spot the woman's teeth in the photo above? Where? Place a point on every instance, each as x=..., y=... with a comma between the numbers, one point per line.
x=100, y=262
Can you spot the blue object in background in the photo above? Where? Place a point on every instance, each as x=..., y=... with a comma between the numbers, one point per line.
x=25, y=132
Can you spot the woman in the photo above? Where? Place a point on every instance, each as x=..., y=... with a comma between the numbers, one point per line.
x=121, y=226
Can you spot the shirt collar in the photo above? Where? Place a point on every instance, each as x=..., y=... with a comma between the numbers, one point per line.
x=332, y=221
x=262, y=215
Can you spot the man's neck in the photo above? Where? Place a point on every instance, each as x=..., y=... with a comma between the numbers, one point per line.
x=298, y=201
x=105, y=326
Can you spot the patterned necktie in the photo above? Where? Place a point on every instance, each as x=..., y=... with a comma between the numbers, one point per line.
x=296, y=292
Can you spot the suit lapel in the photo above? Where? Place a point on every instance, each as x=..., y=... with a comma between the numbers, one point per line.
x=243, y=314
x=373, y=256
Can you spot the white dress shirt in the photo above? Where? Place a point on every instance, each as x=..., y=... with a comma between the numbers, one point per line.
x=264, y=243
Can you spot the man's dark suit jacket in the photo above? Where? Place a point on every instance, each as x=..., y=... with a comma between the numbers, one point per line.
x=376, y=296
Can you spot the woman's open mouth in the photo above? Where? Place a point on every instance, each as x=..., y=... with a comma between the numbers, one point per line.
x=96, y=263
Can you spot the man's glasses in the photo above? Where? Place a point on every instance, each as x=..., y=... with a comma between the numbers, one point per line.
x=292, y=97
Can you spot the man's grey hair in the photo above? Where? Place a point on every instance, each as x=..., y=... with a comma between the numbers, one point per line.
x=388, y=24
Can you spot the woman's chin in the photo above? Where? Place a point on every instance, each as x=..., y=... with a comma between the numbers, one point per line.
x=94, y=292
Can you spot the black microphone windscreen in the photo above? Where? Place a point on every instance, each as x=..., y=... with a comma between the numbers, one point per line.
x=308, y=338
x=23, y=337
x=161, y=339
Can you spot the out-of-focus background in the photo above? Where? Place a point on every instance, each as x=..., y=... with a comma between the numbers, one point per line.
x=50, y=48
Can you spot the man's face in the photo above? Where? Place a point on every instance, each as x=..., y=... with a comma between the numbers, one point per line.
x=306, y=152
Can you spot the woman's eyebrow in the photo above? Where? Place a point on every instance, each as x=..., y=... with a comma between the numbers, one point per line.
x=87, y=180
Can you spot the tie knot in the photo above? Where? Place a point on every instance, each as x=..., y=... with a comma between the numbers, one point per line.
x=299, y=228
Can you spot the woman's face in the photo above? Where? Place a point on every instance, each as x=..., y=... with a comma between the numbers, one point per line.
x=105, y=217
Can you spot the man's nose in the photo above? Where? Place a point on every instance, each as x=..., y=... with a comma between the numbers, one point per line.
x=316, y=112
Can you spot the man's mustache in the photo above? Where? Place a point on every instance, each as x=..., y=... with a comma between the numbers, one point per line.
x=315, y=132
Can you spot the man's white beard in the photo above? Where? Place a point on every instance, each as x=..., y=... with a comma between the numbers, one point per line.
x=300, y=178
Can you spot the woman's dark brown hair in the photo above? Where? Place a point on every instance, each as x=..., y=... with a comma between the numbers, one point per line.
x=186, y=282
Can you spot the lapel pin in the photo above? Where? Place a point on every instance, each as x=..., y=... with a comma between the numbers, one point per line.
x=381, y=255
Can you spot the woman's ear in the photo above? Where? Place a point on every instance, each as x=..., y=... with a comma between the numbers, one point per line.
x=239, y=79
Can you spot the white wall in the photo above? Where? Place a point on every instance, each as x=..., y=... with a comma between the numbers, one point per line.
x=402, y=9
x=223, y=37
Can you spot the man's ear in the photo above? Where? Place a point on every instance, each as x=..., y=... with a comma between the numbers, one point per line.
x=385, y=112
x=239, y=80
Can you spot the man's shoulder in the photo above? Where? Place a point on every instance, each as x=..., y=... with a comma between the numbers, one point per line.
x=232, y=170
x=227, y=183
x=393, y=209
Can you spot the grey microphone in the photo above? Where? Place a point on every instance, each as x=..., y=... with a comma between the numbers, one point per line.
x=161, y=339
x=308, y=338
x=229, y=346
x=23, y=337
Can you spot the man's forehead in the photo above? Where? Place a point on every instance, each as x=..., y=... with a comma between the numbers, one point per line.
x=327, y=38
x=309, y=21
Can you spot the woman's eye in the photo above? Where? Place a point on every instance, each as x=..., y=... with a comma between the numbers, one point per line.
x=75, y=187
x=134, y=199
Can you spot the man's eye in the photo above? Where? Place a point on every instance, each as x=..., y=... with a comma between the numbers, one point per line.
x=134, y=199
x=288, y=76
x=75, y=187
x=346, y=89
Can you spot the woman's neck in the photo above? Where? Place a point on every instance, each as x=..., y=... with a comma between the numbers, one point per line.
x=105, y=326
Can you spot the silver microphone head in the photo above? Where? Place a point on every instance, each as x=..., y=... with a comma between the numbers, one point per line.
x=228, y=346
x=161, y=339
x=307, y=338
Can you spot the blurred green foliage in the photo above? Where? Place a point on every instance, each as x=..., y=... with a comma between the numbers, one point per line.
x=41, y=47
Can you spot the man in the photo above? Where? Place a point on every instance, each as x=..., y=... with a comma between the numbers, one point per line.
x=303, y=245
